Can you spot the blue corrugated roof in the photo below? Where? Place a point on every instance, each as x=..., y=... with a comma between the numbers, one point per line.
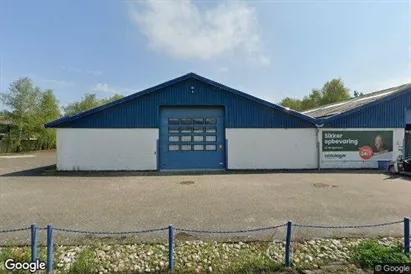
x=65, y=120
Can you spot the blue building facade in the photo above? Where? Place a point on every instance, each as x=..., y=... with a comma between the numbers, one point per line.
x=194, y=123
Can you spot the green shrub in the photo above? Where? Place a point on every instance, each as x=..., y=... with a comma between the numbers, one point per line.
x=84, y=263
x=368, y=253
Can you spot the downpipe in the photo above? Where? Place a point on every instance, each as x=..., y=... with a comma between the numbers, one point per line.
x=318, y=127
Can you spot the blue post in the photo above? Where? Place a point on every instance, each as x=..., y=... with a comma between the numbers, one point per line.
x=288, y=244
x=33, y=242
x=49, y=248
x=407, y=235
x=170, y=247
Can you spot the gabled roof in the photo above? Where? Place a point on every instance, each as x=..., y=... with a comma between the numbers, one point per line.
x=355, y=104
x=134, y=96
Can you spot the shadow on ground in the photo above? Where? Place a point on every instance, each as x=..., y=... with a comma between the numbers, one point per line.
x=51, y=171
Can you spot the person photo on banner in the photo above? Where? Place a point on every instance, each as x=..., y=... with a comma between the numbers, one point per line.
x=380, y=147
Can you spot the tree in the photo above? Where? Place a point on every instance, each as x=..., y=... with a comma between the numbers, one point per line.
x=113, y=98
x=357, y=94
x=291, y=103
x=48, y=110
x=22, y=100
x=333, y=91
x=89, y=101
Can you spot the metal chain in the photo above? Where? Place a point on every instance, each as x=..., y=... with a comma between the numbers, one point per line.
x=199, y=230
x=109, y=232
x=14, y=229
x=229, y=231
x=348, y=226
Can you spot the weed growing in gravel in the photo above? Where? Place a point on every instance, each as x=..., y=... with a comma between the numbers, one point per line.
x=256, y=263
x=84, y=263
x=369, y=252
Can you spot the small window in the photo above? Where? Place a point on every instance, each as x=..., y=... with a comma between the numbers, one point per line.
x=211, y=138
x=185, y=129
x=173, y=130
x=198, y=138
x=211, y=121
x=172, y=121
x=211, y=147
x=173, y=138
x=186, y=121
x=211, y=129
x=185, y=138
x=173, y=147
x=198, y=147
x=185, y=147
x=198, y=121
x=198, y=129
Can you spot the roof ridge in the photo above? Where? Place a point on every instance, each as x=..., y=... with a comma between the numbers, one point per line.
x=404, y=86
x=189, y=75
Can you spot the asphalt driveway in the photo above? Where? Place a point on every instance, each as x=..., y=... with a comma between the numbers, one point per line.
x=30, y=191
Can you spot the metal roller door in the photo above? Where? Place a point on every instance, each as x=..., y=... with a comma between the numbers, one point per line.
x=192, y=138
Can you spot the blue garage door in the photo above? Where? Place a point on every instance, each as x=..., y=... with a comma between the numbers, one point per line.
x=192, y=138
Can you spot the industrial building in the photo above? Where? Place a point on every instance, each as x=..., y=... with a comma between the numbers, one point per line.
x=366, y=131
x=194, y=123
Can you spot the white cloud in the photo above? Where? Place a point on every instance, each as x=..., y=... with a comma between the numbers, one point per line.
x=183, y=31
x=223, y=69
x=60, y=83
x=102, y=87
x=83, y=71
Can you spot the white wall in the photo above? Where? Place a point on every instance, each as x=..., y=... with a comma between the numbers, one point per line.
x=106, y=149
x=268, y=148
x=398, y=137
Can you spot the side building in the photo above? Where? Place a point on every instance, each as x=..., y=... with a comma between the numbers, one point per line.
x=366, y=131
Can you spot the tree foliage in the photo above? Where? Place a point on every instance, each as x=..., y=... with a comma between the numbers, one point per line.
x=333, y=91
x=29, y=108
x=357, y=94
x=88, y=101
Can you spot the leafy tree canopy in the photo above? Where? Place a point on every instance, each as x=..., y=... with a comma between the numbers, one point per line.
x=88, y=101
x=29, y=108
x=333, y=91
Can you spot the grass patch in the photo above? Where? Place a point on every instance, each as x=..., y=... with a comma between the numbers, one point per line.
x=256, y=263
x=368, y=253
x=84, y=263
x=20, y=254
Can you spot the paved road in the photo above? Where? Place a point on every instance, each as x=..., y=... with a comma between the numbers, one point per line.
x=224, y=202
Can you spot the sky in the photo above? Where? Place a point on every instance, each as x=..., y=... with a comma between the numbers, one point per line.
x=269, y=49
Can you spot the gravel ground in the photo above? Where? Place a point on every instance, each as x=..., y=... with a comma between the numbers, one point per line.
x=232, y=201
x=209, y=257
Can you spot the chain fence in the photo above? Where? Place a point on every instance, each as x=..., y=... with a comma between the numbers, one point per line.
x=171, y=229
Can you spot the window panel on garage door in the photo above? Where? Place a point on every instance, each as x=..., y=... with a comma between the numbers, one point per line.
x=198, y=134
x=192, y=138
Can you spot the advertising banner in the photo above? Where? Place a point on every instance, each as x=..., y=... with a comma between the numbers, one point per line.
x=338, y=145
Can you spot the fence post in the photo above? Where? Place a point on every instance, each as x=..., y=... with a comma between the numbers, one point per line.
x=170, y=247
x=288, y=244
x=33, y=242
x=49, y=248
x=407, y=235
